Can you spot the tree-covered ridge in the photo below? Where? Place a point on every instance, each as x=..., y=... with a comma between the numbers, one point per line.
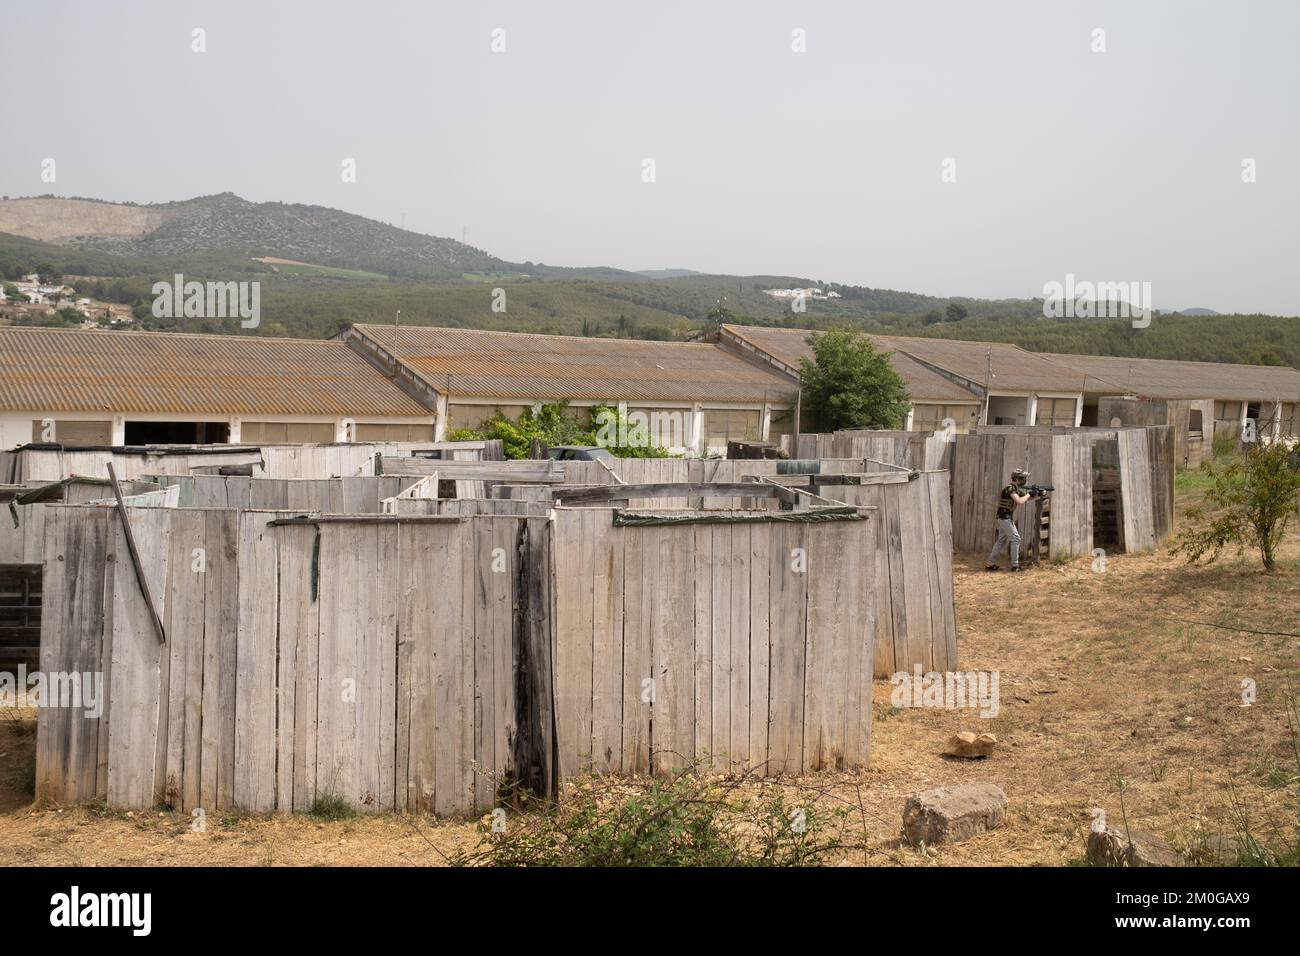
x=314, y=304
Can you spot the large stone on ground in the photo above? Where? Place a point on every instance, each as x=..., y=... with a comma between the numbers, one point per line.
x=967, y=744
x=953, y=814
x=1111, y=847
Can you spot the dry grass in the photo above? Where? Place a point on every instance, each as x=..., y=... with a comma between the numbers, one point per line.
x=1100, y=689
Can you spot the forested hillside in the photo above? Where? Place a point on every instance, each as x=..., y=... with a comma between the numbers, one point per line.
x=343, y=269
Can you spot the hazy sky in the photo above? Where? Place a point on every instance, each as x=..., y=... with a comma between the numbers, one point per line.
x=1116, y=166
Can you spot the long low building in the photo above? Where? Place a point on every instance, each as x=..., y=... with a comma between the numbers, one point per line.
x=692, y=397
x=144, y=388
x=378, y=383
x=969, y=382
x=995, y=383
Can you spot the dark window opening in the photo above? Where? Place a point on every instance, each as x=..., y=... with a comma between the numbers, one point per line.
x=177, y=433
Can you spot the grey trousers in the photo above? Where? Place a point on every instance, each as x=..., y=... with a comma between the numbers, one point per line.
x=1008, y=537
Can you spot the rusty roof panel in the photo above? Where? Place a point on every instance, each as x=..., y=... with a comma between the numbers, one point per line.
x=483, y=364
x=923, y=383
x=172, y=372
x=1163, y=378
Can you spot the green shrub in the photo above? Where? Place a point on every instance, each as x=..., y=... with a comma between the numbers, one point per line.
x=688, y=820
x=1254, y=498
x=331, y=806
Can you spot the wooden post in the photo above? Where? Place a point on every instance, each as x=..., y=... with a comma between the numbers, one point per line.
x=135, y=556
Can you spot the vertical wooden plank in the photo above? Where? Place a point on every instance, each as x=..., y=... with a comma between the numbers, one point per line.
x=859, y=635
x=673, y=640
x=760, y=643
x=106, y=655
x=484, y=611
x=255, y=653
x=339, y=689
x=299, y=675
x=739, y=660
x=361, y=562
x=946, y=658
x=705, y=621
x=84, y=598
x=638, y=664
x=137, y=655
x=607, y=645
x=60, y=628
x=220, y=633
x=825, y=623
x=187, y=606
x=404, y=678
x=573, y=636
x=388, y=559
x=788, y=591
x=719, y=747
x=536, y=755
x=460, y=672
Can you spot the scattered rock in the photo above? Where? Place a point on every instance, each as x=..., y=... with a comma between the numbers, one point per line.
x=970, y=746
x=953, y=814
x=1111, y=847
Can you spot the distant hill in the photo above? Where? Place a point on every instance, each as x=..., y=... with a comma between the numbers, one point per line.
x=667, y=273
x=225, y=224
x=321, y=269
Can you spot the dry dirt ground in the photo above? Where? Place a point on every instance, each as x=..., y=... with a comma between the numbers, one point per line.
x=1109, y=698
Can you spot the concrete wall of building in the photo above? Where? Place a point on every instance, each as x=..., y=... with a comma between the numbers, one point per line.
x=17, y=428
x=684, y=428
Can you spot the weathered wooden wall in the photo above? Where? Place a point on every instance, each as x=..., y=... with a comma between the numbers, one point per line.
x=926, y=451
x=984, y=459
x=282, y=677
x=916, y=618
x=342, y=460
x=22, y=533
x=745, y=644
x=1189, y=449
x=406, y=663
x=361, y=495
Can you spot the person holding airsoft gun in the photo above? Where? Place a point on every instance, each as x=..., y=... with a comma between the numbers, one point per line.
x=1011, y=497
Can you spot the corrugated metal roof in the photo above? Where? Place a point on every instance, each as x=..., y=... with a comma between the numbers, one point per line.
x=1014, y=369
x=172, y=372
x=1164, y=378
x=790, y=345
x=484, y=364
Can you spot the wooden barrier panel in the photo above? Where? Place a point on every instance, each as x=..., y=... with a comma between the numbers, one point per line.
x=984, y=459
x=406, y=661
x=360, y=495
x=916, y=621
x=747, y=643
x=283, y=678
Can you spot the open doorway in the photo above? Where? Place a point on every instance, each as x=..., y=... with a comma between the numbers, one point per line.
x=1107, y=502
x=177, y=433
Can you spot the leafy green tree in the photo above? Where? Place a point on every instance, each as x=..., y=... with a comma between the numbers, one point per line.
x=1255, y=497
x=553, y=424
x=955, y=312
x=850, y=384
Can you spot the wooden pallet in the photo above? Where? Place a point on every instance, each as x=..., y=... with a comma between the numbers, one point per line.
x=20, y=615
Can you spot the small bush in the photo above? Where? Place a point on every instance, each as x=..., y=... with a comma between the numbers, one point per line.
x=688, y=820
x=330, y=806
x=1254, y=499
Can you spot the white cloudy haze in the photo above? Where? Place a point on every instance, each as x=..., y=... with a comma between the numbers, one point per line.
x=1116, y=166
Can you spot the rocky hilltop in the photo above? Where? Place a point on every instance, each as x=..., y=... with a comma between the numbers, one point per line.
x=227, y=224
